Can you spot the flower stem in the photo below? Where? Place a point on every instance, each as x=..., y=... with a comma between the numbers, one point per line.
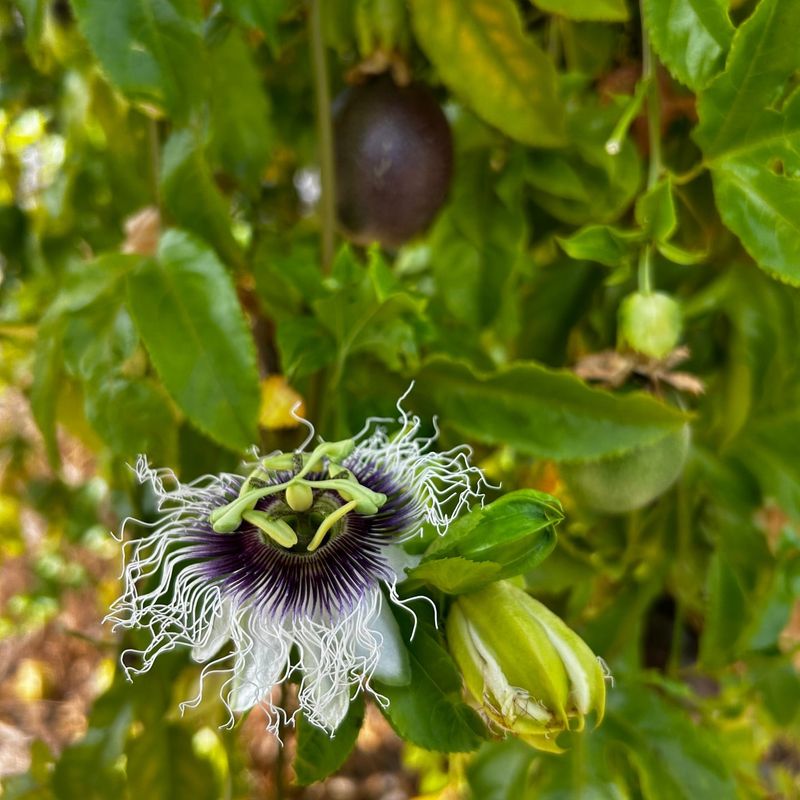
x=650, y=79
x=322, y=95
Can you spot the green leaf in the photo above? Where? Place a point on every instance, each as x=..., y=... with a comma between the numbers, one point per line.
x=34, y=12
x=318, y=755
x=589, y=10
x=604, y=244
x=150, y=49
x=305, y=345
x=679, y=255
x=543, y=412
x=185, y=307
x=750, y=134
x=98, y=338
x=192, y=197
x=365, y=314
x=481, y=53
x=478, y=239
x=553, y=303
x=260, y=15
x=456, y=575
x=584, y=771
x=163, y=766
x=89, y=769
x=674, y=758
x=691, y=37
x=428, y=712
x=499, y=770
x=515, y=532
x=727, y=613
x=47, y=374
x=655, y=212
x=241, y=133
x=132, y=417
x=287, y=275
x=768, y=447
x=583, y=183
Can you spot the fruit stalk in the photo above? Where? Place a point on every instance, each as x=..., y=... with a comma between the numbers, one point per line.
x=327, y=202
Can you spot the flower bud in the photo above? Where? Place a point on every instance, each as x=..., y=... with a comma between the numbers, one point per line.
x=532, y=675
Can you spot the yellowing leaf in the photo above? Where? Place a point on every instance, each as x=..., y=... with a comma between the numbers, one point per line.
x=278, y=399
x=482, y=54
x=598, y=10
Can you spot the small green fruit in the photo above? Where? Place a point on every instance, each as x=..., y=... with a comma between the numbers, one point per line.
x=650, y=323
x=623, y=483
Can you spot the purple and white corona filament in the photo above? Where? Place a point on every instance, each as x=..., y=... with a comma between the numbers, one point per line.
x=289, y=571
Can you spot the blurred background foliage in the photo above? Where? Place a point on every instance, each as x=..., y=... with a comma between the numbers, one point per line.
x=161, y=291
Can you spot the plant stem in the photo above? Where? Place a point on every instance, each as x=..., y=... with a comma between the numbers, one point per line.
x=646, y=269
x=650, y=79
x=154, y=147
x=684, y=530
x=327, y=202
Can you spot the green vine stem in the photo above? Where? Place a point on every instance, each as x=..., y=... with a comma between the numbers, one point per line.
x=650, y=80
x=324, y=133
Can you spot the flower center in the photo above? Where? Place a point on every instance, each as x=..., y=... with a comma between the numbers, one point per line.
x=307, y=508
x=313, y=527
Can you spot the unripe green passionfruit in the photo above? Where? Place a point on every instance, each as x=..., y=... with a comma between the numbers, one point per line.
x=650, y=323
x=623, y=483
x=394, y=161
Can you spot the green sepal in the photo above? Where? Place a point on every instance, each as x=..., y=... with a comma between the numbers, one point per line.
x=516, y=532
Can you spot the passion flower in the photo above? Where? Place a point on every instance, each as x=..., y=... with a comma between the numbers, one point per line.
x=289, y=571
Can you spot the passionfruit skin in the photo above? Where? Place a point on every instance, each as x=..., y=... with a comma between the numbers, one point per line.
x=394, y=161
x=629, y=481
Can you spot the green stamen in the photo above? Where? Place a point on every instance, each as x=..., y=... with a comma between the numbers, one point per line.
x=328, y=523
x=227, y=518
x=277, y=530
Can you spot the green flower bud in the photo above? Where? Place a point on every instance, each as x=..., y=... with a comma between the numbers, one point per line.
x=650, y=323
x=532, y=675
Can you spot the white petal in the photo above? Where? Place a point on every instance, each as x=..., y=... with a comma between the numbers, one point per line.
x=325, y=692
x=393, y=665
x=218, y=633
x=259, y=669
x=400, y=561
